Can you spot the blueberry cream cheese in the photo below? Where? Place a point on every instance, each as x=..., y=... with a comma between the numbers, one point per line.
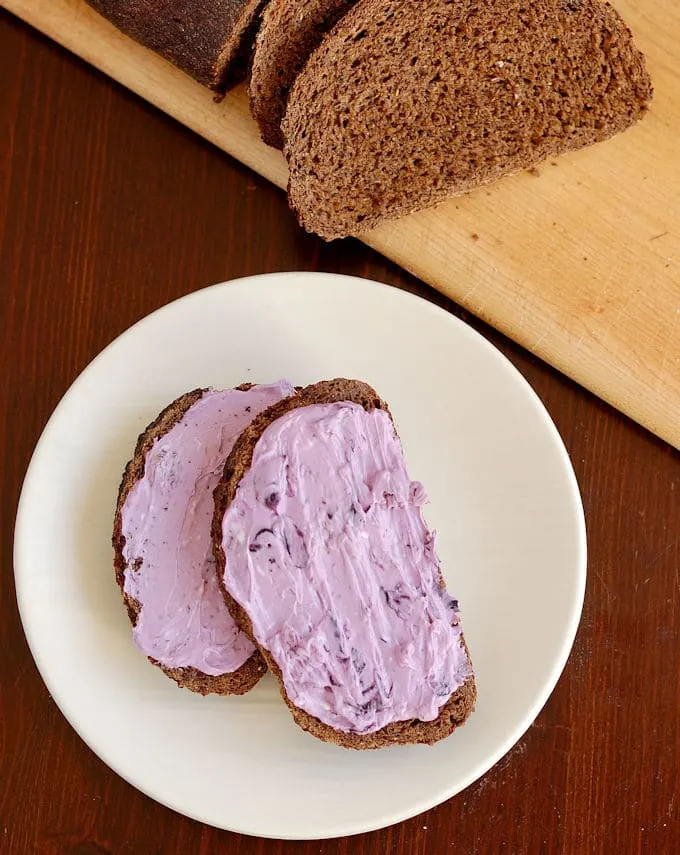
x=325, y=550
x=164, y=559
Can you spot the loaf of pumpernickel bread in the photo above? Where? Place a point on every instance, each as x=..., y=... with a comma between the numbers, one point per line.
x=406, y=103
x=162, y=540
x=348, y=607
x=204, y=39
x=289, y=31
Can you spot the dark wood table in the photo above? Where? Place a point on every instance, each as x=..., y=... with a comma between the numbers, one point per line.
x=108, y=210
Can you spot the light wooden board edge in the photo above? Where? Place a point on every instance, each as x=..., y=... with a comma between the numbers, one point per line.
x=613, y=327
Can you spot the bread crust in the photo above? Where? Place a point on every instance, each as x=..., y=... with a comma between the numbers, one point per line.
x=206, y=40
x=244, y=678
x=456, y=710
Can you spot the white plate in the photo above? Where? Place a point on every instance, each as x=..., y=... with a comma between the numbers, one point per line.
x=504, y=501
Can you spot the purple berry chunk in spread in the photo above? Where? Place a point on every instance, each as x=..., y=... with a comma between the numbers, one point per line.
x=351, y=609
x=166, y=518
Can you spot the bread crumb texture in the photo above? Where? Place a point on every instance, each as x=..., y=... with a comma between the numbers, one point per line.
x=406, y=103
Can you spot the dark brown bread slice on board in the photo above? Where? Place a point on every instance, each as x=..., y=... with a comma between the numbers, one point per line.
x=207, y=40
x=407, y=103
x=245, y=677
x=461, y=703
x=289, y=31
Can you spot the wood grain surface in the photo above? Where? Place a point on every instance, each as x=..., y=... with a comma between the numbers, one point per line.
x=108, y=209
x=582, y=267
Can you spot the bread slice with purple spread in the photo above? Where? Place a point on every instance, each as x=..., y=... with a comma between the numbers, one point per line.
x=326, y=562
x=162, y=544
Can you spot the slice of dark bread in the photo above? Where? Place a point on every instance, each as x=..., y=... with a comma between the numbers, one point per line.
x=289, y=31
x=207, y=40
x=406, y=103
x=244, y=678
x=459, y=705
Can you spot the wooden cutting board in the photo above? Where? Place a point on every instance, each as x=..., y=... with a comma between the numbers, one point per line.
x=579, y=261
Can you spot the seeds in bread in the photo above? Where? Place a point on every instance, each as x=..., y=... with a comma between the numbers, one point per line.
x=407, y=103
x=289, y=31
x=162, y=546
x=371, y=505
x=206, y=40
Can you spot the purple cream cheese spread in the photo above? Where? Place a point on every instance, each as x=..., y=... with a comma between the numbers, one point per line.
x=166, y=520
x=327, y=551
